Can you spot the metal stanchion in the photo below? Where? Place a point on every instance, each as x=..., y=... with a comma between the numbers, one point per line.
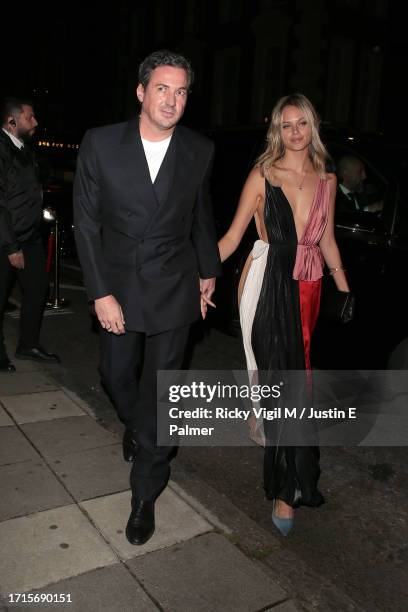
x=55, y=302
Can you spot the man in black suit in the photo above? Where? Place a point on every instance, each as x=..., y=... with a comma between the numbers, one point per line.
x=146, y=240
x=350, y=191
x=21, y=249
x=354, y=194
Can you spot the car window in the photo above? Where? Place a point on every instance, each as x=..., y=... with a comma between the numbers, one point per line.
x=401, y=225
x=361, y=190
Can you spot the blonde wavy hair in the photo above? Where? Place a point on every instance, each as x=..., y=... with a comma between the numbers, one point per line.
x=275, y=149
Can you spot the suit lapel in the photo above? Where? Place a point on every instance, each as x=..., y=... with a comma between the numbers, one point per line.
x=173, y=178
x=154, y=195
x=165, y=176
x=132, y=160
x=178, y=170
x=184, y=167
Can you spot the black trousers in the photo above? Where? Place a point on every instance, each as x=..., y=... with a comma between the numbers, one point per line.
x=33, y=280
x=129, y=364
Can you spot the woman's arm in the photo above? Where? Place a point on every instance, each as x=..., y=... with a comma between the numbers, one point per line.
x=252, y=194
x=328, y=244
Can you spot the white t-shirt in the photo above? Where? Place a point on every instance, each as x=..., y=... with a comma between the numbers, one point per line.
x=155, y=152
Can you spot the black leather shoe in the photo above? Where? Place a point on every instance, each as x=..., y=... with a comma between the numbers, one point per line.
x=140, y=527
x=129, y=445
x=37, y=354
x=6, y=365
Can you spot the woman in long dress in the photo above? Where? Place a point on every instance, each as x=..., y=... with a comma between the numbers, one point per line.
x=291, y=197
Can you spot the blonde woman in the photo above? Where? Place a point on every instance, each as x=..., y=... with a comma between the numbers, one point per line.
x=291, y=197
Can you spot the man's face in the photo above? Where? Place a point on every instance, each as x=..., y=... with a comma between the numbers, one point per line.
x=26, y=123
x=355, y=176
x=164, y=98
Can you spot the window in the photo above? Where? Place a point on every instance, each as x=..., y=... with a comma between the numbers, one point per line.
x=378, y=8
x=225, y=89
x=361, y=191
x=341, y=67
x=369, y=90
x=228, y=10
x=268, y=80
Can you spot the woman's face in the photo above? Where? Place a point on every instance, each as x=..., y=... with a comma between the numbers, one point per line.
x=296, y=130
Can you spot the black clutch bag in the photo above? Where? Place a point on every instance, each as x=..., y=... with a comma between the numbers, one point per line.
x=337, y=306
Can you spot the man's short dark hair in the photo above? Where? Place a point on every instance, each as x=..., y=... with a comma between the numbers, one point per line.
x=346, y=162
x=12, y=107
x=163, y=57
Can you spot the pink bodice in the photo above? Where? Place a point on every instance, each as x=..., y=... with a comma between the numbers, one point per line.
x=309, y=259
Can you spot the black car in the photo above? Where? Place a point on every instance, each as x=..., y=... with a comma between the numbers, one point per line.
x=373, y=241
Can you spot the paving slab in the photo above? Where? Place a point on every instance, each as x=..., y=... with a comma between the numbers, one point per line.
x=176, y=521
x=286, y=606
x=79, y=401
x=29, y=408
x=49, y=546
x=202, y=510
x=206, y=573
x=107, y=589
x=95, y=472
x=29, y=487
x=5, y=420
x=14, y=447
x=25, y=365
x=67, y=435
x=25, y=382
x=22, y=365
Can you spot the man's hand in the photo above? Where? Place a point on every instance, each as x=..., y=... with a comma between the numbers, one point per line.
x=110, y=314
x=207, y=288
x=17, y=260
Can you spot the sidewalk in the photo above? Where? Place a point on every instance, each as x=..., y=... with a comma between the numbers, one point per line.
x=64, y=504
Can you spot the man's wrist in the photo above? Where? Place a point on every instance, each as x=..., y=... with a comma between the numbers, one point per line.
x=12, y=249
x=102, y=297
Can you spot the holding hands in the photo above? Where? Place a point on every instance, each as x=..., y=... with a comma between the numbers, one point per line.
x=207, y=288
x=17, y=260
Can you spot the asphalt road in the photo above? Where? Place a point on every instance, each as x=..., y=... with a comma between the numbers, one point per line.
x=357, y=541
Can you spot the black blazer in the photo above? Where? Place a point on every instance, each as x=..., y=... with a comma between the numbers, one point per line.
x=145, y=244
x=20, y=196
x=355, y=203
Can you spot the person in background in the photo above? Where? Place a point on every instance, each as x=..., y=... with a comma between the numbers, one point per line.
x=352, y=194
x=21, y=250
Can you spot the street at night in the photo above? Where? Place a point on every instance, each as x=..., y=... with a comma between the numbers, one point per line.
x=195, y=193
x=348, y=555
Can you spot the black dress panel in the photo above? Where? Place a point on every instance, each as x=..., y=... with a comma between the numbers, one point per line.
x=290, y=472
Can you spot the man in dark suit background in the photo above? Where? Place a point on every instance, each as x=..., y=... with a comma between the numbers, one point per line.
x=350, y=191
x=21, y=249
x=354, y=194
x=146, y=240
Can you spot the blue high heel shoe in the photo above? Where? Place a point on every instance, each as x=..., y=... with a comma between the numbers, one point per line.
x=283, y=524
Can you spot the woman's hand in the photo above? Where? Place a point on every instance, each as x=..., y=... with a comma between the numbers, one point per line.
x=207, y=288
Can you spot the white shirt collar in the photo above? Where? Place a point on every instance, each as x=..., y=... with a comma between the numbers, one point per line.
x=19, y=143
x=345, y=189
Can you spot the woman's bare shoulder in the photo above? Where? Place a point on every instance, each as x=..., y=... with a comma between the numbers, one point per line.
x=255, y=180
x=277, y=174
x=256, y=175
